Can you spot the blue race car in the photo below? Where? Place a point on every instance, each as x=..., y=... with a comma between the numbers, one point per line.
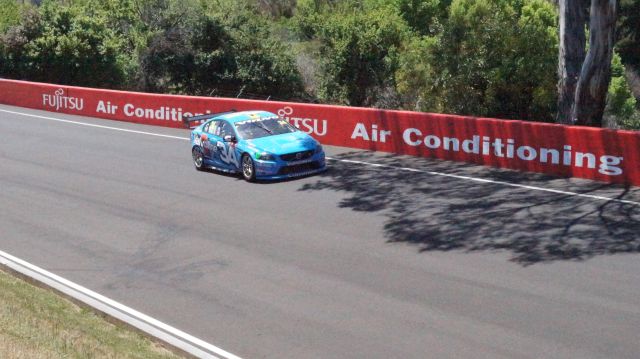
x=257, y=144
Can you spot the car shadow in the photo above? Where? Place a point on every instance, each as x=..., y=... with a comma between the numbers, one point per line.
x=439, y=213
x=223, y=173
x=238, y=176
x=288, y=179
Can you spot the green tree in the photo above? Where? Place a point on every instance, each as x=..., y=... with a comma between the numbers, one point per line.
x=13, y=44
x=223, y=49
x=621, y=105
x=628, y=32
x=359, y=52
x=416, y=75
x=585, y=73
x=497, y=58
x=9, y=14
x=75, y=48
x=425, y=17
x=61, y=44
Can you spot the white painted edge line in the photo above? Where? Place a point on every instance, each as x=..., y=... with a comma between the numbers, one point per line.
x=483, y=180
x=151, y=326
x=94, y=125
x=433, y=173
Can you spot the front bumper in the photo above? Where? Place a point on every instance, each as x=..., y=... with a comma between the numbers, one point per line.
x=274, y=170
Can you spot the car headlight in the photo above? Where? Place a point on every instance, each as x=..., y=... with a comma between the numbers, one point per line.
x=265, y=156
x=319, y=148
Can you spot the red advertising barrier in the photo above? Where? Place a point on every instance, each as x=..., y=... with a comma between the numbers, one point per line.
x=594, y=153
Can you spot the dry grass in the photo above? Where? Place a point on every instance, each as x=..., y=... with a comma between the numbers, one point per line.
x=36, y=323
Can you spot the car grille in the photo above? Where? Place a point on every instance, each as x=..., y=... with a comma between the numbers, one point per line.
x=297, y=156
x=287, y=170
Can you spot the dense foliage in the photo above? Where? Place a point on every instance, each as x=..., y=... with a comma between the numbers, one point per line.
x=629, y=31
x=173, y=46
x=621, y=105
x=501, y=55
x=358, y=49
x=493, y=58
x=9, y=14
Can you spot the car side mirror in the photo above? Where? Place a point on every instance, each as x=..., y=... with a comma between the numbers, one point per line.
x=229, y=138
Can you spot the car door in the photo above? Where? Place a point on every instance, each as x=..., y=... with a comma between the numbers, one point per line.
x=227, y=151
x=209, y=147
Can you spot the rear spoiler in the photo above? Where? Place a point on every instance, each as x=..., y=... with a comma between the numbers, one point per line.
x=187, y=121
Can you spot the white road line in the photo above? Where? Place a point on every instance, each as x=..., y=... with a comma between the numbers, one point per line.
x=483, y=180
x=97, y=126
x=169, y=334
x=433, y=173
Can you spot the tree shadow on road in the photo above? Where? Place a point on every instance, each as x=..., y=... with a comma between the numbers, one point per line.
x=443, y=213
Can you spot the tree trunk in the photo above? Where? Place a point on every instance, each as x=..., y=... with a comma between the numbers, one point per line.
x=573, y=15
x=591, y=90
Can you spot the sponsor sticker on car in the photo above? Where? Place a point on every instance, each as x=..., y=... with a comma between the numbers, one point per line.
x=293, y=163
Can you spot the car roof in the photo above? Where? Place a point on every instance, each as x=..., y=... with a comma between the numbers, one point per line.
x=244, y=116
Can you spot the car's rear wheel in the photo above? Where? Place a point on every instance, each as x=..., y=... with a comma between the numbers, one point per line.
x=198, y=158
x=248, y=168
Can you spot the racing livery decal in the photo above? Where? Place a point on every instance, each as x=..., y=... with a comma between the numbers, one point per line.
x=228, y=154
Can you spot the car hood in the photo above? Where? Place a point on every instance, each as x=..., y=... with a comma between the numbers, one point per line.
x=285, y=143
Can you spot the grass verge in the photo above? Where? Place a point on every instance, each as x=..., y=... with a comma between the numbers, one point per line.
x=37, y=323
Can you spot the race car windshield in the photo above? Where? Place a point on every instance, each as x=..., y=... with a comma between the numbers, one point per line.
x=263, y=127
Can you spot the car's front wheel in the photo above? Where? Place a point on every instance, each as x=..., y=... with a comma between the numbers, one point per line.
x=198, y=158
x=248, y=168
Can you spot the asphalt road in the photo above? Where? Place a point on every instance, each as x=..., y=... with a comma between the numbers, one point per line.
x=359, y=262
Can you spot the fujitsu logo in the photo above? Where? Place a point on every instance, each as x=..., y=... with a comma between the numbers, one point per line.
x=58, y=100
x=308, y=125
